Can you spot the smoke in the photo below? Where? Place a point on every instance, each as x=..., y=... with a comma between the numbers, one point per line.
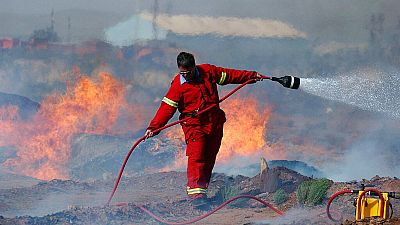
x=133, y=30
x=298, y=215
x=225, y=26
x=366, y=158
x=333, y=47
x=32, y=78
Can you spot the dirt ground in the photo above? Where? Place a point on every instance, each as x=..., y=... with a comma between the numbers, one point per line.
x=72, y=202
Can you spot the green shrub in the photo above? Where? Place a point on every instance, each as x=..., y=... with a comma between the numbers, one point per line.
x=226, y=193
x=279, y=196
x=302, y=191
x=312, y=192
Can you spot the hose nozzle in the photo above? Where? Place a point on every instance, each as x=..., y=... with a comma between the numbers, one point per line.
x=288, y=81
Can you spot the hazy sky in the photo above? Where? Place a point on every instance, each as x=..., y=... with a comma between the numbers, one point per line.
x=323, y=20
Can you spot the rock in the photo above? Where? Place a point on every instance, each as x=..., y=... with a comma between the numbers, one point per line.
x=280, y=177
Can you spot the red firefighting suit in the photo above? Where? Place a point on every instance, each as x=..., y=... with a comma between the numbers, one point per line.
x=203, y=133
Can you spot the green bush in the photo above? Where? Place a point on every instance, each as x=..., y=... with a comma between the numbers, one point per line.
x=226, y=193
x=312, y=192
x=302, y=191
x=279, y=196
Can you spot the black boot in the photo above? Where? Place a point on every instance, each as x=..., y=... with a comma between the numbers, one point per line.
x=201, y=202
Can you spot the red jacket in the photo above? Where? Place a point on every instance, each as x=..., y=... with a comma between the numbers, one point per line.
x=191, y=96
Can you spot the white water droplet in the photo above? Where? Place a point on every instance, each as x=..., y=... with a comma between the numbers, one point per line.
x=379, y=92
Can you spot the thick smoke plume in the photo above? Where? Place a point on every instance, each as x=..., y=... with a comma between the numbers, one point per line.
x=225, y=26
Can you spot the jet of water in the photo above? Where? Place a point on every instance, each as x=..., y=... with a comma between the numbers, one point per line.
x=373, y=90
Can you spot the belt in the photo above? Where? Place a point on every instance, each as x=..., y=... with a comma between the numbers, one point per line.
x=194, y=113
x=191, y=114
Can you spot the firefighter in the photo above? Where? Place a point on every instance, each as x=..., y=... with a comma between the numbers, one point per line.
x=193, y=89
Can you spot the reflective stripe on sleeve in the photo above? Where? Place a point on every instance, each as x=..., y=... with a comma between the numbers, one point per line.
x=170, y=102
x=222, y=79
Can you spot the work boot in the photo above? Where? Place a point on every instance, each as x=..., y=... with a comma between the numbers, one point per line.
x=201, y=202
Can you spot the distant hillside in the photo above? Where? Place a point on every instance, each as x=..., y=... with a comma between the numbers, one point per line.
x=26, y=106
x=9, y=180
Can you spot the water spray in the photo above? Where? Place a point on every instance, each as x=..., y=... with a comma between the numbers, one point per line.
x=372, y=90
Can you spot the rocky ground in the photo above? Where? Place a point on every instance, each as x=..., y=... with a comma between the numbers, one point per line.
x=72, y=202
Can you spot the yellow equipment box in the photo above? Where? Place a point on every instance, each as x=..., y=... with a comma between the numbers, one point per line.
x=371, y=206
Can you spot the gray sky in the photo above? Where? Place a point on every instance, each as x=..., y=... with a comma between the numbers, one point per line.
x=323, y=20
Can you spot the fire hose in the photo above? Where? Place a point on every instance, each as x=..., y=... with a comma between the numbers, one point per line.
x=211, y=212
x=330, y=201
x=286, y=81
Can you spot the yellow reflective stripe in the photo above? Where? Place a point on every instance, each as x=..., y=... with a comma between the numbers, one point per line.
x=191, y=189
x=222, y=79
x=196, y=191
x=170, y=102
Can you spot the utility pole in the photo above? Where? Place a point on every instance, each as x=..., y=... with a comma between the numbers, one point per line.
x=155, y=14
x=69, y=30
x=52, y=21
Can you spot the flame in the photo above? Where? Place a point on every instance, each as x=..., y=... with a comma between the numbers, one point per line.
x=245, y=129
x=244, y=132
x=9, y=115
x=44, y=143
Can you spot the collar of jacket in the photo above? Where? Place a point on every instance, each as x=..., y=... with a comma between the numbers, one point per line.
x=197, y=78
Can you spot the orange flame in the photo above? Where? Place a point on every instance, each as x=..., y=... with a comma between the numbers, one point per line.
x=9, y=115
x=245, y=129
x=44, y=143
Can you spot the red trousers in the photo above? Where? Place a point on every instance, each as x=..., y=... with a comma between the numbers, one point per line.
x=202, y=149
